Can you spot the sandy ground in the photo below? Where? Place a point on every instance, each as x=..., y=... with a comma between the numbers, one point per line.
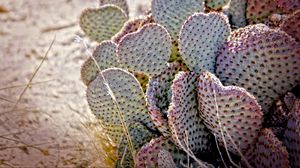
x=47, y=128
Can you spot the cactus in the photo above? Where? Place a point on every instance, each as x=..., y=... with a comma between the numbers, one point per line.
x=269, y=151
x=292, y=135
x=172, y=13
x=147, y=50
x=159, y=97
x=195, y=32
x=229, y=86
x=102, y=23
x=127, y=93
x=230, y=110
x=104, y=55
x=120, y=3
x=291, y=25
x=140, y=135
x=264, y=61
x=186, y=125
x=216, y=4
x=148, y=154
x=237, y=13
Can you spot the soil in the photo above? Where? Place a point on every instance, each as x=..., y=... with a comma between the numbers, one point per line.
x=50, y=125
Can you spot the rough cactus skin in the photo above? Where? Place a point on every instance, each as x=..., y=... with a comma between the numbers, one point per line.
x=165, y=159
x=258, y=11
x=269, y=151
x=172, y=13
x=128, y=94
x=105, y=56
x=131, y=26
x=239, y=113
x=288, y=6
x=120, y=3
x=198, y=45
x=159, y=97
x=148, y=154
x=139, y=135
x=292, y=135
x=147, y=50
x=102, y=23
x=237, y=13
x=291, y=25
x=183, y=117
x=264, y=61
x=216, y=4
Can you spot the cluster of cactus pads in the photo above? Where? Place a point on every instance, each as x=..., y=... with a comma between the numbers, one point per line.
x=197, y=83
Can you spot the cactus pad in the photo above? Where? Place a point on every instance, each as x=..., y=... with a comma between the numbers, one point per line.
x=147, y=50
x=159, y=97
x=288, y=6
x=120, y=3
x=102, y=23
x=258, y=11
x=216, y=4
x=131, y=26
x=184, y=120
x=148, y=154
x=128, y=94
x=269, y=151
x=139, y=135
x=172, y=13
x=105, y=56
x=200, y=38
x=239, y=113
x=165, y=159
x=291, y=25
x=264, y=61
x=292, y=135
x=237, y=13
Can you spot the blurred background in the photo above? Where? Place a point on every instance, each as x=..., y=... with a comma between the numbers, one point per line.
x=47, y=123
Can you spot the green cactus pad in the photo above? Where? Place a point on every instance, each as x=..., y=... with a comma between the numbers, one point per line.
x=120, y=3
x=264, y=61
x=172, y=13
x=159, y=97
x=239, y=113
x=148, y=154
x=200, y=38
x=291, y=25
x=105, y=56
x=292, y=135
x=258, y=11
x=165, y=159
x=139, y=135
x=127, y=93
x=237, y=13
x=131, y=26
x=216, y=4
x=288, y=6
x=184, y=120
x=147, y=50
x=102, y=23
x=269, y=151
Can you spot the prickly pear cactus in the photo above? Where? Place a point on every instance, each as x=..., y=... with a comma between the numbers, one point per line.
x=105, y=57
x=118, y=95
x=237, y=13
x=216, y=4
x=197, y=31
x=186, y=125
x=172, y=13
x=269, y=151
x=147, y=50
x=120, y=3
x=102, y=23
x=264, y=61
x=291, y=25
x=229, y=112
